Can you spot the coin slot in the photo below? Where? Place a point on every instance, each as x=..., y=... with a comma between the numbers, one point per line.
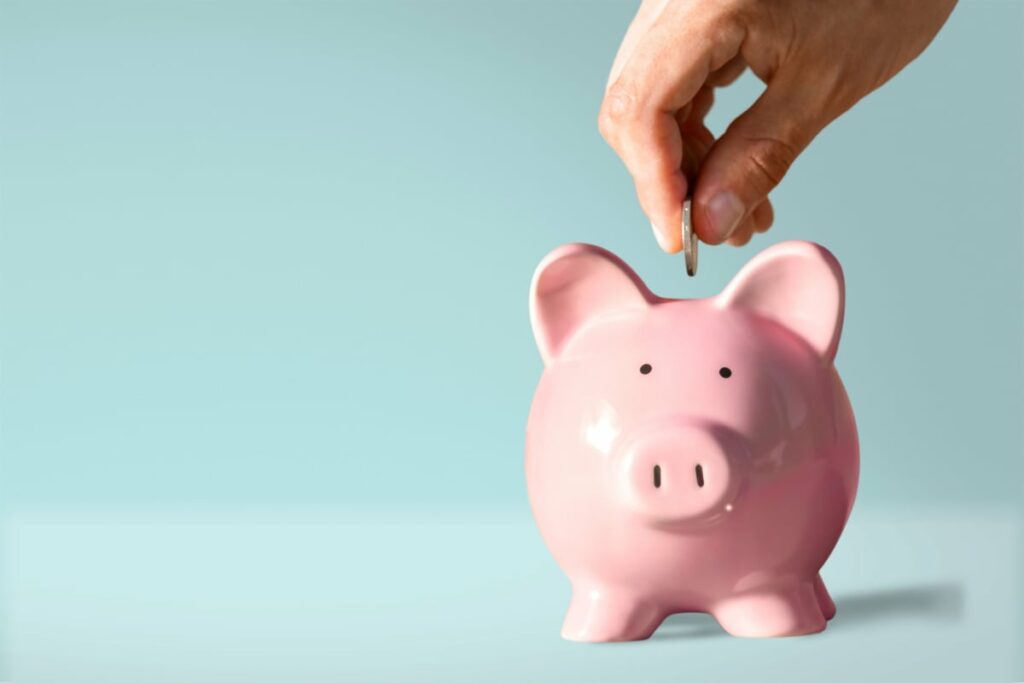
x=700, y=476
x=657, y=476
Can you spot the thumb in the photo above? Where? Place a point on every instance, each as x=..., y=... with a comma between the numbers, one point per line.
x=752, y=156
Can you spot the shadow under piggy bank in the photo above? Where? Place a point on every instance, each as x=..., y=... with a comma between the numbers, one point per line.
x=939, y=602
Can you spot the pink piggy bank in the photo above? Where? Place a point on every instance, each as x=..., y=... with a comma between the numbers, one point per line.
x=691, y=455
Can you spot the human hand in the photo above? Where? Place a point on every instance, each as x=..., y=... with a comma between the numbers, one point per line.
x=817, y=59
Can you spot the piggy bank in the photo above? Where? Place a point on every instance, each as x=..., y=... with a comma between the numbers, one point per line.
x=691, y=455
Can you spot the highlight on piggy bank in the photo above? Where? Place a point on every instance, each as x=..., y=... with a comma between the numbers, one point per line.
x=691, y=455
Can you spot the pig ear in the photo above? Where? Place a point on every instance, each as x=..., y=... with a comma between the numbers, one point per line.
x=575, y=284
x=798, y=285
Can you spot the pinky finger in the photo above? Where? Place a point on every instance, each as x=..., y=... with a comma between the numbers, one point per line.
x=757, y=222
x=743, y=233
x=764, y=216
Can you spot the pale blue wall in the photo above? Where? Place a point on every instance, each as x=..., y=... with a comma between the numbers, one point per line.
x=254, y=254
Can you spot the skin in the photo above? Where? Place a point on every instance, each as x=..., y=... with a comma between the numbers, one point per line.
x=817, y=59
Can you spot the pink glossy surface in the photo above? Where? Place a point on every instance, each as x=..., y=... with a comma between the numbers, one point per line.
x=612, y=453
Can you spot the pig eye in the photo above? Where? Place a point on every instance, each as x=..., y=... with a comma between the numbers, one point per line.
x=726, y=373
x=645, y=369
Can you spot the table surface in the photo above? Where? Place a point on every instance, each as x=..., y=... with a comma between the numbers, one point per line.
x=466, y=595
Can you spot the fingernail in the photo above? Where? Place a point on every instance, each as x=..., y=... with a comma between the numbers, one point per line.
x=724, y=212
x=662, y=238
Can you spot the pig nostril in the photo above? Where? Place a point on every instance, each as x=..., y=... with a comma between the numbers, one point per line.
x=657, y=476
x=700, y=475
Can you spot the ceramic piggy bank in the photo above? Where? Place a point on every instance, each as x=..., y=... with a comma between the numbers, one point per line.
x=691, y=455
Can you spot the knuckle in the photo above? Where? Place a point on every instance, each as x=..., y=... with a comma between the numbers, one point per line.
x=721, y=25
x=619, y=106
x=771, y=158
x=725, y=26
x=606, y=125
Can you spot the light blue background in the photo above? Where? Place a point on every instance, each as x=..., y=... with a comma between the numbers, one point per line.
x=265, y=257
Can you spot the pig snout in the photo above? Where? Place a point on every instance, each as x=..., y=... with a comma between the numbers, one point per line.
x=676, y=472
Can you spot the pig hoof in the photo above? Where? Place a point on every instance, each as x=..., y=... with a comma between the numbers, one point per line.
x=828, y=608
x=597, y=615
x=769, y=614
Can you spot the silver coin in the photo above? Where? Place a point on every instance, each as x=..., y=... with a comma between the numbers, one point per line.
x=689, y=241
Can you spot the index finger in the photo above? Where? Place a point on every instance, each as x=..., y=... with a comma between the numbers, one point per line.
x=638, y=116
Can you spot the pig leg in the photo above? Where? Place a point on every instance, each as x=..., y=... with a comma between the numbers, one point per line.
x=772, y=611
x=828, y=608
x=599, y=614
